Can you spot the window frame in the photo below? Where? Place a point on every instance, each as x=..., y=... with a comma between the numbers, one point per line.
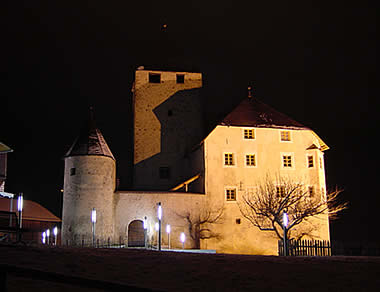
x=290, y=136
x=233, y=159
x=153, y=76
x=292, y=160
x=253, y=134
x=255, y=160
x=308, y=156
x=177, y=78
x=230, y=188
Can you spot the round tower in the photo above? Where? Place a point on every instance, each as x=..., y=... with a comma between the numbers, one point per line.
x=89, y=182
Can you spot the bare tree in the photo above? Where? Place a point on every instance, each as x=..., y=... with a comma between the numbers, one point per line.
x=200, y=221
x=264, y=207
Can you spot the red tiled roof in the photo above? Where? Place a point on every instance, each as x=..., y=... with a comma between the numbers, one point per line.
x=251, y=112
x=31, y=210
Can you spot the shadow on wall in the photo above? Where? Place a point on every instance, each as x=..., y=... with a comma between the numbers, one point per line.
x=181, y=120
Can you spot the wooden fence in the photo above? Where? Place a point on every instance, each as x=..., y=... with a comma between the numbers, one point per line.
x=305, y=248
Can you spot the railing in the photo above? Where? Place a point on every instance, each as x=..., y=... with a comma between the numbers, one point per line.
x=305, y=248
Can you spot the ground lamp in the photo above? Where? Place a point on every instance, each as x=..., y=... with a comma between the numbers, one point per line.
x=183, y=238
x=47, y=236
x=55, y=232
x=285, y=222
x=93, y=220
x=159, y=216
x=20, y=205
x=145, y=225
x=168, y=229
x=44, y=237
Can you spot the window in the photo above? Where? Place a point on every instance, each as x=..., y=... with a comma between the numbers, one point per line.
x=250, y=160
x=311, y=191
x=285, y=136
x=231, y=194
x=249, y=134
x=238, y=221
x=228, y=159
x=164, y=172
x=72, y=171
x=154, y=78
x=180, y=78
x=310, y=161
x=280, y=191
x=287, y=161
x=170, y=113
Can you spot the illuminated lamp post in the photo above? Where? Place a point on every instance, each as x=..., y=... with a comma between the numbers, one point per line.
x=43, y=237
x=168, y=232
x=47, y=236
x=93, y=220
x=159, y=216
x=20, y=205
x=156, y=227
x=183, y=238
x=285, y=222
x=55, y=232
x=145, y=231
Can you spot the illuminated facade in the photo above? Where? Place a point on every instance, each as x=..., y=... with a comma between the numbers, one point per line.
x=187, y=170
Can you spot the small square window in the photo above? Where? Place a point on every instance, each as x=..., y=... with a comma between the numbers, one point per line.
x=250, y=160
x=154, y=78
x=249, y=134
x=228, y=159
x=180, y=78
x=285, y=136
x=280, y=191
x=287, y=160
x=72, y=171
x=310, y=161
x=164, y=172
x=231, y=194
x=238, y=221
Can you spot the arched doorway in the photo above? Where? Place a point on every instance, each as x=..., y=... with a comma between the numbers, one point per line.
x=136, y=234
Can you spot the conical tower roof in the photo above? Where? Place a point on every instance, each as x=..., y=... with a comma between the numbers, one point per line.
x=251, y=112
x=90, y=141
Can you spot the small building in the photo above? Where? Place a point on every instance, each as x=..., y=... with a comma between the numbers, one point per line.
x=35, y=220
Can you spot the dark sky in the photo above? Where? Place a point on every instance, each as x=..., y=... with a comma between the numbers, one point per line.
x=313, y=62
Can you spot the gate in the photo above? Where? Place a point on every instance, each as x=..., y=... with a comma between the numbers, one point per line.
x=136, y=236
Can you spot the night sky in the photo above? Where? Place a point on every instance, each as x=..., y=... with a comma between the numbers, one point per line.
x=315, y=63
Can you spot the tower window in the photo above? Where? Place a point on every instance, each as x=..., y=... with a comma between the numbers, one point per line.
x=72, y=171
x=249, y=134
x=285, y=136
x=180, y=78
x=228, y=159
x=164, y=172
x=310, y=161
x=154, y=78
x=231, y=194
x=238, y=221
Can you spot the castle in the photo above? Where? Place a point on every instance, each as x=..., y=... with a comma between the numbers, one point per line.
x=193, y=174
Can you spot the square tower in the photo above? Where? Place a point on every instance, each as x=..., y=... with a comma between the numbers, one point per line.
x=168, y=123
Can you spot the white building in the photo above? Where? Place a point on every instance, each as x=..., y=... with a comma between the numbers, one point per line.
x=189, y=171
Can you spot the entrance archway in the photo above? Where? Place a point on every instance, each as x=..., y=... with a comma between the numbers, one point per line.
x=136, y=234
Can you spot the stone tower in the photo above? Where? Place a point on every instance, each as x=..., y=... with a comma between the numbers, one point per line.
x=168, y=123
x=89, y=182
